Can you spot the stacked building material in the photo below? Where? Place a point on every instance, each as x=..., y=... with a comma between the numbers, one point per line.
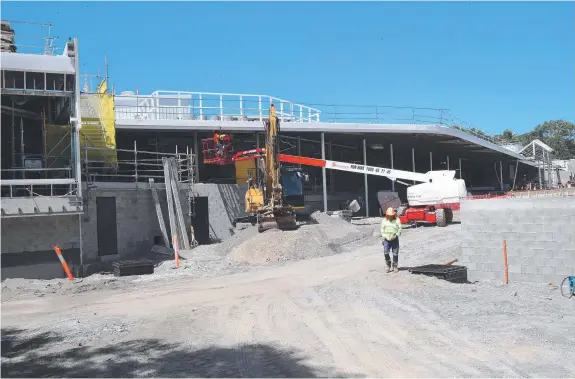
x=7, y=38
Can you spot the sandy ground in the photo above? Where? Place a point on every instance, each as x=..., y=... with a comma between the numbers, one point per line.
x=336, y=315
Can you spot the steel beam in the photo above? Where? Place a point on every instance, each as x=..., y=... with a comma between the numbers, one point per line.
x=323, y=178
x=366, y=202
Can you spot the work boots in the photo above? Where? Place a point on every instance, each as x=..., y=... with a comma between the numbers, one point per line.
x=395, y=260
x=388, y=262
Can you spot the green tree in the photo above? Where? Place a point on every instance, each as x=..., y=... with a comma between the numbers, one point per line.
x=506, y=137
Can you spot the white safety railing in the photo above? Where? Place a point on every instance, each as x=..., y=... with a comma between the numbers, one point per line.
x=204, y=106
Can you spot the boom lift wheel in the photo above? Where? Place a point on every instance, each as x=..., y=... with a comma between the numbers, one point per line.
x=440, y=217
x=449, y=215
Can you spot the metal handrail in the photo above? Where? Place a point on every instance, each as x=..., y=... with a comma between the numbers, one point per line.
x=170, y=105
x=236, y=107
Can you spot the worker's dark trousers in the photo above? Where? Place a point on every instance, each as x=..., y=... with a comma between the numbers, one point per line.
x=392, y=246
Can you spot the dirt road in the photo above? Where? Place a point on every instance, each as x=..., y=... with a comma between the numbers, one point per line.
x=340, y=315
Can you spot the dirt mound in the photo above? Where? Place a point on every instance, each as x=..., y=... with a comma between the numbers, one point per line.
x=327, y=237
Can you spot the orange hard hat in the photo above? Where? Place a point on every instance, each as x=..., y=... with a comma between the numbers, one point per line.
x=390, y=212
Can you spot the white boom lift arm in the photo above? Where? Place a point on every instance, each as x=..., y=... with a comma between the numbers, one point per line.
x=437, y=187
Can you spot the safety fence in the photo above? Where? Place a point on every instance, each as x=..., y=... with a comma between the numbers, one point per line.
x=204, y=106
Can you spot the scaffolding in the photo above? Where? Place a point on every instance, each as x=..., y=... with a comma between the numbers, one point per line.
x=541, y=154
x=133, y=165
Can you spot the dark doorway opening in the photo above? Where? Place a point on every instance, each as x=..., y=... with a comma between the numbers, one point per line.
x=201, y=219
x=106, y=226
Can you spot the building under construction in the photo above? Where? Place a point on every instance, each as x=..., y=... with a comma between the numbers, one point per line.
x=85, y=170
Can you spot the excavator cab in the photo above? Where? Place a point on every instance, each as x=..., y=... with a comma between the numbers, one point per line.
x=292, y=187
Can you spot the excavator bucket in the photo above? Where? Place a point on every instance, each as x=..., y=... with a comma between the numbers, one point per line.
x=281, y=222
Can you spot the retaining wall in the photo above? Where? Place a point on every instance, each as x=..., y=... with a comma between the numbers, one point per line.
x=540, y=235
x=27, y=242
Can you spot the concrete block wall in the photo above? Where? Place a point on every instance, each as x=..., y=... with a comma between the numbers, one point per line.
x=28, y=234
x=225, y=203
x=540, y=235
x=137, y=225
x=33, y=237
x=136, y=219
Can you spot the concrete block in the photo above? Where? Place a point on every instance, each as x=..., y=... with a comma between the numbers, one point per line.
x=518, y=277
x=544, y=236
x=541, y=253
x=471, y=265
x=476, y=258
x=544, y=270
x=565, y=254
x=554, y=262
x=529, y=269
x=564, y=271
x=515, y=268
x=534, y=278
x=511, y=236
x=486, y=267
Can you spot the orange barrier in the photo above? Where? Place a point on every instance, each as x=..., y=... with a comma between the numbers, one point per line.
x=63, y=261
x=176, y=255
x=505, y=266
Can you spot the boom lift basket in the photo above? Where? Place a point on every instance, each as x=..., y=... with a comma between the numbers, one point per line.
x=213, y=156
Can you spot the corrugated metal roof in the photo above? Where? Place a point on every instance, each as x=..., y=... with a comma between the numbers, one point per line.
x=53, y=64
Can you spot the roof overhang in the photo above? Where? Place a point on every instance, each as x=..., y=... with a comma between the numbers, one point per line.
x=340, y=128
x=50, y=64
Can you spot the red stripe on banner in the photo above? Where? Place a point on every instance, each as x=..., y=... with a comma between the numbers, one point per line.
x=302, y=160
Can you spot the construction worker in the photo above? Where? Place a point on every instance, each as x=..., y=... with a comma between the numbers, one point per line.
x=390, y=232
x=218, y=142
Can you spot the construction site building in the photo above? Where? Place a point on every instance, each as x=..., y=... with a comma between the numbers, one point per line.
x=84, y=160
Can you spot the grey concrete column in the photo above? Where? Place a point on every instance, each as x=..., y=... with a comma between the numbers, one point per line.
x=323, y=178
x=257, y=140
x=430, y=161
x=391, y=155
x=413, y=160
x=365, y=203
x=460, y=172
x=501, y=173
x=448, y=163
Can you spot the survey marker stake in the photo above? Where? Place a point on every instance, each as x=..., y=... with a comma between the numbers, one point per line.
x=63, y=261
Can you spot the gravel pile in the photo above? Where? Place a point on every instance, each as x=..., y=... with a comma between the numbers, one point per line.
x=328, y=236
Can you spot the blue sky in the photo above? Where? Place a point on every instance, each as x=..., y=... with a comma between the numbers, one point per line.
x=498, y=65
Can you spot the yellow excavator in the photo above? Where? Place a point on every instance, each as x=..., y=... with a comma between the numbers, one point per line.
x=277, y=192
